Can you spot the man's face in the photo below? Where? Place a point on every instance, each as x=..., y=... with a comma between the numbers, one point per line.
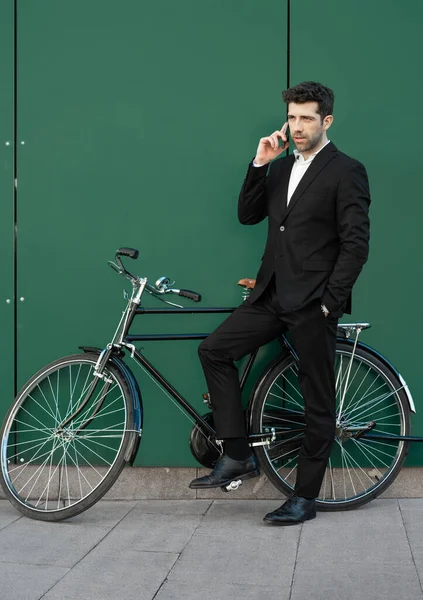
x=305, y=125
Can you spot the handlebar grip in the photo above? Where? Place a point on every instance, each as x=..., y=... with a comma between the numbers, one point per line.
x=129, y=252
x=191, y=295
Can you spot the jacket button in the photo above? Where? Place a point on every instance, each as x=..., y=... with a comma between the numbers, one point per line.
x=282, y=228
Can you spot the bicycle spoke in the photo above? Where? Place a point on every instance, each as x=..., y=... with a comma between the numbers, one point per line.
x=101, y=414
x=32, y=429
x=35, y=455
x=371, y=402
x=42, y=407
x=283, y=419
x=85, y=415
x=94, y=440
x=94, y=452
x=88, y=462
x=290, y=410
x=80, y=471
x=359, y=387
x=363, y=447
x=31, y=415
x=368, y=408
x=39, y=471
x=378, y=442
x=344, y=458
x=85, y=387
x=24, y=443
x=352, y=379
x=291, y=384
x=56, y=444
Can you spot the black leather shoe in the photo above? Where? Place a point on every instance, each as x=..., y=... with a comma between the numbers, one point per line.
x=294, y=510
x=226, y=470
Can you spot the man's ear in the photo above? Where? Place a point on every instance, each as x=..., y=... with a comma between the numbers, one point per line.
x=327, y=122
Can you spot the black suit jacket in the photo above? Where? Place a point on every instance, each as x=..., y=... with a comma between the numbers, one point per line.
x=317, y=245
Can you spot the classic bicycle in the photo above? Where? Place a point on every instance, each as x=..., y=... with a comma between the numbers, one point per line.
x=78, y=421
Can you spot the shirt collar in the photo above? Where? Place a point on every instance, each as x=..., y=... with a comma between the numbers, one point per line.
x=299, y=157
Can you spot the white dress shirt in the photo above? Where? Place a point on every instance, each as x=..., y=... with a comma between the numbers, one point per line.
x=299, y=167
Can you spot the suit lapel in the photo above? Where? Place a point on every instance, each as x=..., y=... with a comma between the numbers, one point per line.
x=283, y=183
x=318, y=163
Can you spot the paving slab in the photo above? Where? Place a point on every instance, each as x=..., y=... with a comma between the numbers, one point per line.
x=171, y=507
x=176, y=590
x=238, y=560
x=241, y=510
x=351, y=536
x=8, y=514
x=109, y=575
x=27, y=582
x=152, y=533
x=352, y=581
x=411, y=503
x=59, y=544
x=412, y=515
x=243, y=518
x=106, y=513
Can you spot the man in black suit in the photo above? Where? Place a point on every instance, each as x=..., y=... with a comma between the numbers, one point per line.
x=316, y=201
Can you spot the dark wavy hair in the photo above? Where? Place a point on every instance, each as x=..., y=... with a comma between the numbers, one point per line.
x=311, y=91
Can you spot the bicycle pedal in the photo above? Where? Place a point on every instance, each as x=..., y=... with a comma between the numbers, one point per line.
x=231, y=487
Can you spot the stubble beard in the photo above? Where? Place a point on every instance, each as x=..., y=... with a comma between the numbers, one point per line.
x=311, y=143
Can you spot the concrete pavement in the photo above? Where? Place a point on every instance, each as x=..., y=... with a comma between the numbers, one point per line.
x=213, y=550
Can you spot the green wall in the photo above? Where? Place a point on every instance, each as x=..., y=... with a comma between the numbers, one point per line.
x=7, y=207
x=138, y=122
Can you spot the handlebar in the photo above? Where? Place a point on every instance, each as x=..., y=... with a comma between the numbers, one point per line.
x=136, y=281
x=191, y=295
x=129, y=252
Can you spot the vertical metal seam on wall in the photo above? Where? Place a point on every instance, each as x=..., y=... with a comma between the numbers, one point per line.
x=288, y=50
x=288, y=44
x=15, y=199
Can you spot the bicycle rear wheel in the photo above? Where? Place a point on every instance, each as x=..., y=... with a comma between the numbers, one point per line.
x=359, y=469
x=50, y=471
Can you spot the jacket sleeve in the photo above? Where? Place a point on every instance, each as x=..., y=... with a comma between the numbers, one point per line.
x=353, y=200
x=252, y=203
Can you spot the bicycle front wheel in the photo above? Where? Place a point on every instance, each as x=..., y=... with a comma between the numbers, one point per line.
x=59, y=452
x=359, y=468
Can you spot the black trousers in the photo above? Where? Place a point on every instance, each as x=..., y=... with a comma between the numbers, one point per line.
x=314, y=337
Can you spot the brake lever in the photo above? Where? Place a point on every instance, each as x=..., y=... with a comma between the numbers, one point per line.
x=162, y=299
x=114, y=267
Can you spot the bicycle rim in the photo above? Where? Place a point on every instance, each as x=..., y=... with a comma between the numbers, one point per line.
x=358, y=469
x=59, y=471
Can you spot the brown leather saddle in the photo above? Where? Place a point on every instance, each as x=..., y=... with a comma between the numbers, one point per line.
x=247, y=283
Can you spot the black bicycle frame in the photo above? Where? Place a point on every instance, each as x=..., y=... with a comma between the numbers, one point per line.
x=141, y=360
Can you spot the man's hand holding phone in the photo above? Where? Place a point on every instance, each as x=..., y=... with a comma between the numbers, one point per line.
x=271, y=147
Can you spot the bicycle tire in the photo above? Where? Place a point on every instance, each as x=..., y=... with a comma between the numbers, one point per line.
x=89, y=446
x=267, y=409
